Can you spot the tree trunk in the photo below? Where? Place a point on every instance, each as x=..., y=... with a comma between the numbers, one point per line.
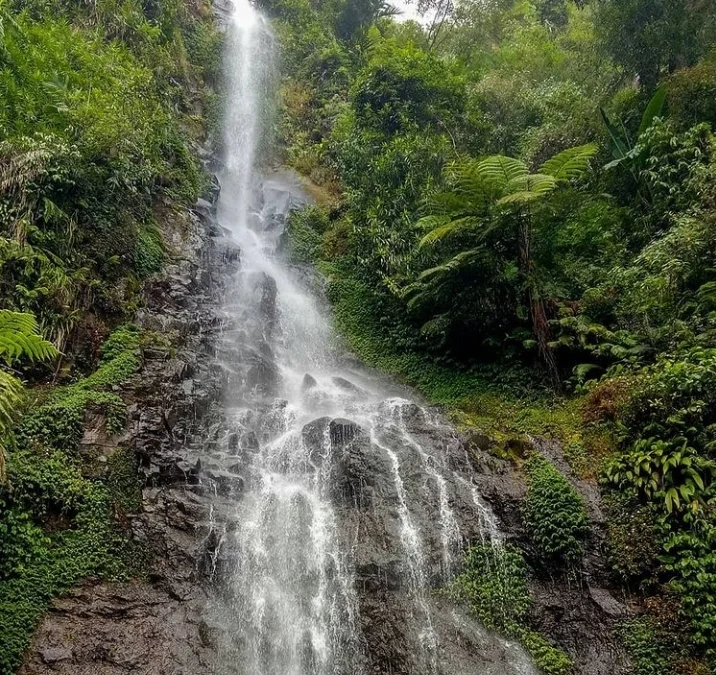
x=538, y=312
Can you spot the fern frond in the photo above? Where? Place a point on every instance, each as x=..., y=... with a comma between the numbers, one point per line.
x=447, y=229
x=499, y=170
x=427, y=223
x=527, y=189
x=454, y=264
x=20, y=338
x=10, y=398
x=471, y=184
x=538, y=183
x=519, y=198
x=571, y=163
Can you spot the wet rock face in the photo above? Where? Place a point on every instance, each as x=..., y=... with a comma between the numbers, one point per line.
x=133, y=628
x=156, y=626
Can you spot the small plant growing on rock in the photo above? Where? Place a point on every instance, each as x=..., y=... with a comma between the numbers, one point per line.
x=554, y=514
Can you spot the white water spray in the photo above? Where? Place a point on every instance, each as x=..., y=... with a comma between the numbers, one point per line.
x=316, y=462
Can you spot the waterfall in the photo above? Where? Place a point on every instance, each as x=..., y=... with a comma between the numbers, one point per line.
x=340, y=505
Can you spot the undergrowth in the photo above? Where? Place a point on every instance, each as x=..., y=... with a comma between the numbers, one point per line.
x=57, y=516
x=554, y=514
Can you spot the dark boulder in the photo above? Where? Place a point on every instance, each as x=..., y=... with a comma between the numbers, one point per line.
x=343, y=431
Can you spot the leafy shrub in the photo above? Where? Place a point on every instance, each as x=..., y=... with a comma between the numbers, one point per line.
x=672, y=162
x=19, y=340
x=633, y=538
x=45, y=560
x=554, y=514
x=692, y=93
x=494, y=583
x=677, y=477
x=305, y=233
x=149, y=255
x=690, y=559
x=645, y=641
x=676, y=400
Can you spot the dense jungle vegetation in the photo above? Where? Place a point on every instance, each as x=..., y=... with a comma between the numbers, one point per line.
x=516, y=212
x=102, y=104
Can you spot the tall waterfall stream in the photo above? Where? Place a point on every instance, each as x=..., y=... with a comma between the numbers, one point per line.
x=348, y=504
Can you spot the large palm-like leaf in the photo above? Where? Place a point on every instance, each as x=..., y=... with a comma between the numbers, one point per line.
x=431, y=282
x=455, y=264
x=499, y=170
x=446, y=227
x=474, y=184
x=653, y=110
x=10, y=397
x=570, y=164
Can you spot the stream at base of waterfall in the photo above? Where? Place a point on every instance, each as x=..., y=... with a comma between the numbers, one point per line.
x=341, y=506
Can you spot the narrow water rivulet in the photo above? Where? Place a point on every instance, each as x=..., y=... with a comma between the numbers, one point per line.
x=345, y=505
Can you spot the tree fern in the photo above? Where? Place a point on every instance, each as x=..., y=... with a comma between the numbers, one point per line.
x=475, y=203
x=525, y=189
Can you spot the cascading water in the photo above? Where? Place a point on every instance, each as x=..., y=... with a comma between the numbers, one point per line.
x=343, y=505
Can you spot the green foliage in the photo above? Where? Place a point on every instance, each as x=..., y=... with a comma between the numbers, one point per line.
x=149, y=256
x=650, y=36
x=493, y=584
x=655, y=470
x=305, y=230
x=645, y=641
x=19, y=339
x=402, y=88
x=488, y=203
x=690, y=561
x=58, y=422
x=101, y=104
x=667, y=467
x=56, y=523
x=633, y=538
x=95, y=124
x=554, y=514
x=692, y=94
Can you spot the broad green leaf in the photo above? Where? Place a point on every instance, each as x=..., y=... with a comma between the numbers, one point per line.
x=653, y=110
